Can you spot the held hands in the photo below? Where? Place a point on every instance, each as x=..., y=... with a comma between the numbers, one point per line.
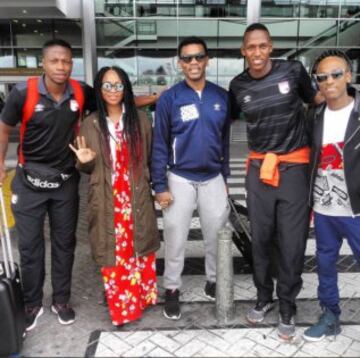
x=164, y=199
x=83, y=153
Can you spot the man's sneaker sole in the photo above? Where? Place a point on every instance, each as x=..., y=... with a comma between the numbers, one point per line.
x=318, y=339
x=287, y=337
x=65, y=323
x=41, y=311
x=313, y=339
x=174, y=318
x=253, y=321
x=209, y=297
x=287, y=332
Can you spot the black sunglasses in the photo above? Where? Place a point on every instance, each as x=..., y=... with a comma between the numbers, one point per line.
x=107, y=86
x=198, y=58
x=335, y=75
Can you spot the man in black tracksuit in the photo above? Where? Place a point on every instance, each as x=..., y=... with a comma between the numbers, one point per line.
x=271, y=93
x=45, y=142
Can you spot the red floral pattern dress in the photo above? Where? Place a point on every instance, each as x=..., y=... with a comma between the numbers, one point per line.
x=130, y=285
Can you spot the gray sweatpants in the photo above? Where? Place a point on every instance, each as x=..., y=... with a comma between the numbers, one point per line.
x=210, y=199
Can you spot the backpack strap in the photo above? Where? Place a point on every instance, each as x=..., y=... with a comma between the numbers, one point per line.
x=80, y=99
x=32, y=98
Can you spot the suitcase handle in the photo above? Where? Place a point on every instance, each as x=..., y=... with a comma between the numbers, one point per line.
x=5, y=239
x=238, y=218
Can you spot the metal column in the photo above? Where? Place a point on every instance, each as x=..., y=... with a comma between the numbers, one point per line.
x=253, y=11
x=225, y=308
x=89, y=40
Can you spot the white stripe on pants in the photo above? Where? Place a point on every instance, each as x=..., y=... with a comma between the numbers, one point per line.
x=210, y=199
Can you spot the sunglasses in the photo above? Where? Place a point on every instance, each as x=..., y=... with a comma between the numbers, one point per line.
x=335, y=75
x=108, y=87
x=198, y=58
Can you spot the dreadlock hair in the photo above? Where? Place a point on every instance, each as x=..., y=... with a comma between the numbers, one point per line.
x=331, y=53
x=131, y=120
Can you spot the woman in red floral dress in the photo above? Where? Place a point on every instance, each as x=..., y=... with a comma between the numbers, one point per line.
x=114, y=148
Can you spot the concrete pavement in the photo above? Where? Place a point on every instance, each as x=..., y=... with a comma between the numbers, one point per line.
x=197, y=334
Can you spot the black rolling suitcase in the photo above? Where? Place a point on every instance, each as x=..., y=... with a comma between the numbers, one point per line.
x=241, y=234
x=12, y=315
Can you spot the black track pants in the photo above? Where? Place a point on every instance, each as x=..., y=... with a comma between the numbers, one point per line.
x=29, y=208
x=282, y=211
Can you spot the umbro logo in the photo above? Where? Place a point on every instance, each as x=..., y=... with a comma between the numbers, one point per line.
x=217, y=106
x=247, y=99
x=39, y=108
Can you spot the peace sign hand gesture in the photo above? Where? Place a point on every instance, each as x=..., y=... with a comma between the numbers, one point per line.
x=85, y=155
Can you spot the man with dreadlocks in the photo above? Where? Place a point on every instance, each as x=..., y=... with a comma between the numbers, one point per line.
x=335, y=185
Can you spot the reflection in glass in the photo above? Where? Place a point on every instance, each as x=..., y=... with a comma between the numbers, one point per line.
x=350, y=11
x=206, y=29
x=31, y=33
x=34, y=32
x=78, y=65
x=7, y=60
x=5, y=33
x=70, y=31
x=124, y=58
x=231, y=33
x=114, y=8
x=230, y=63
x=28, y=58
x=157, y=67
x=300, y=8
x=317, y=33
x=113, y=32
x=284, y=33
x=148, y=8
x=349, y=31
x=319, y=9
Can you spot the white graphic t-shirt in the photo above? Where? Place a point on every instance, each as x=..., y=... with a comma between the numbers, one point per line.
x=330, y=191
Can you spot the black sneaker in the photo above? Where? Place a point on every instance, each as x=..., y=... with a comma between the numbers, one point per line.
x=172, y=305
x=257, y=314
x=286, y=326
x=66, y=315
x=31, y=316
x=210, y=290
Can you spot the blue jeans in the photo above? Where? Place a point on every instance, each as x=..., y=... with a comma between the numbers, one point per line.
x=330, y=231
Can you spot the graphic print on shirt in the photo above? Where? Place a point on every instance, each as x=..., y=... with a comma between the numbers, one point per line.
x=330, y=190
x=189, y=113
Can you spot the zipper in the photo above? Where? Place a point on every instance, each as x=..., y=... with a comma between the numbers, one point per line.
x=174, y=150
x=352, y=136
x=314, y=169
x=343, y=158
x=201, y=119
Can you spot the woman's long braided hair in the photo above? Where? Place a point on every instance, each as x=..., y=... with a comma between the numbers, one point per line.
x=131, y=121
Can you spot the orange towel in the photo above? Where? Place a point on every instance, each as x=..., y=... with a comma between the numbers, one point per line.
x=269, y=171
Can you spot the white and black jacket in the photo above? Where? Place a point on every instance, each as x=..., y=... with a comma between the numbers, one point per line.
x=351, y=151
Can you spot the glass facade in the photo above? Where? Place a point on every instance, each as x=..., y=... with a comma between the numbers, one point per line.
x=142, y=35
x=21, y=41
